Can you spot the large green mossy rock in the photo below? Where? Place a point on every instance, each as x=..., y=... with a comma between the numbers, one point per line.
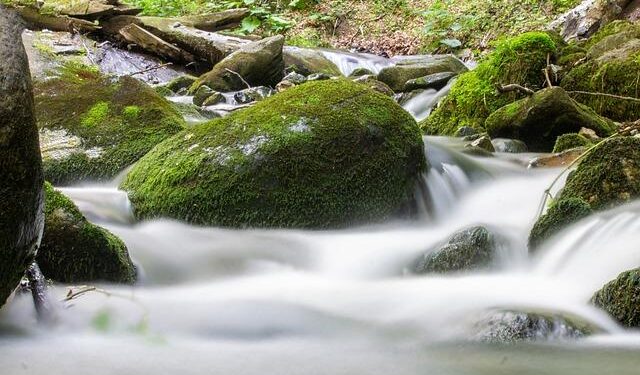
x=467, y=250
x=93, y=126
x=621, y=298
x=20, y=168
x=473, y=96
x=539, y=119
x=560, y=215
x=611, y=66
x=608, y=176
x=74, y=250
x=324, y=154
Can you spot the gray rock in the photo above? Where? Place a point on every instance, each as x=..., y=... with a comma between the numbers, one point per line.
x=511, y=146
x=295, y=78
x=398, y=75
x=253, y=94
x=465, y=131
x=21, y=178
x=470, y=249
x=483, y=142
x=434, y=81
x=318, y=77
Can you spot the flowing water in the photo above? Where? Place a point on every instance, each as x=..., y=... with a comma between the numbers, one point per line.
x=222, y=301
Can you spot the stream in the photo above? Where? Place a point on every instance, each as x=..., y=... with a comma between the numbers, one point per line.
x=222, y=301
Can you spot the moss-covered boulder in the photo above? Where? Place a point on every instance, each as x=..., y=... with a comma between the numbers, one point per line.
x=611, y=66
x=560, y=215
x=258, y=63
x=74, y=250
x=538, y=120
x=20, y=168
x=93, y=126
x=470, y=249
x=473, y=96
x=398, y=75
x=323, y=154
x=608, y=176
x=308, y=61
x=570, y=141
x=621, y=298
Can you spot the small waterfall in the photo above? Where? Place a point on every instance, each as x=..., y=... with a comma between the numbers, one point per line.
x=347, y=62
x=421, y=105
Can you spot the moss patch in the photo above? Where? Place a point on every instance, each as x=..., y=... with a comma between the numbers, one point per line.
x=621, y=298
x=560, y=215
x=568, y=141
x=320, y=155
x=473, y=97
x=74, y=250
x=116, y=121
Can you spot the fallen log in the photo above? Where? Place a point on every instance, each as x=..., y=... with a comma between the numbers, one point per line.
x=135, y=34
x=35, y=20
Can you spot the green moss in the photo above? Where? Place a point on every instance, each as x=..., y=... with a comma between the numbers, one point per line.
x=561, y=214
x=621, y=298
x=608, y=176
x=612, y=67
x=74, y=250
x=116, y=120
x=320, y=155
x=568, y=141
x=473, y=97
x=539, y=119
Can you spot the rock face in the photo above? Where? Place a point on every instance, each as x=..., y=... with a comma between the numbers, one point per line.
x=610, y=63
x=608, y=176
x=469, y=249
x=93, y=126
x=588, y=17
x=259, y=64
x=621, y=298
x=21, y=218
x=473, y=96
x=398, y=75
x=324, y=154
x=538, y=120
x=74, y=250
x=560, y=215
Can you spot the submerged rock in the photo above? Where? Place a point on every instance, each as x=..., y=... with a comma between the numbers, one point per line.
x=510, y=327
x=608, y=176
x=74, y=250
x=324, y=154
x=398, y=75
x=560, y=215
x=21, y=178
x=470, y=249
x=621, y=298
x=93, y=126
x=609, y=67
x=538, y=120
x=473, y=96
x=258, y=64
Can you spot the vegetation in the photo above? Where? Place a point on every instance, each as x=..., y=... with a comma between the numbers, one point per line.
x=621, y=298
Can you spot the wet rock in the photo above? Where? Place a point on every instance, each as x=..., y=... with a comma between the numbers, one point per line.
x=253, y=94
x=510, y=327
x=74, y=250
x=258, y=64
x=621, y=298
x=473, y=97
x=93, y=126
x=588, y=17
x=398, y=75
x=180, y=83
x=607, y=176
x=213, y=99
x=21, y=218
x=560, y=215
x=359, y=72
x=334, y=154
x=569, y=141
x=538, y=120
x=562, y=159
x=470, y=249
x=434, y=81
x=201, y=94
x=511, y=146
x=308, y=61
x=295, y=78
x=483, y=142
x=374, y=84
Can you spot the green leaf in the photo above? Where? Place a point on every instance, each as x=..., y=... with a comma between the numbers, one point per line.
x=451, y=43
x=250, y=24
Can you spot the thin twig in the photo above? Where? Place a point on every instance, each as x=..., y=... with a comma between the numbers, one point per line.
x=546, y=71
x=605, y=94
x=85, y=46
x=514, y=87
x=239, y=76
x=150, y=69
